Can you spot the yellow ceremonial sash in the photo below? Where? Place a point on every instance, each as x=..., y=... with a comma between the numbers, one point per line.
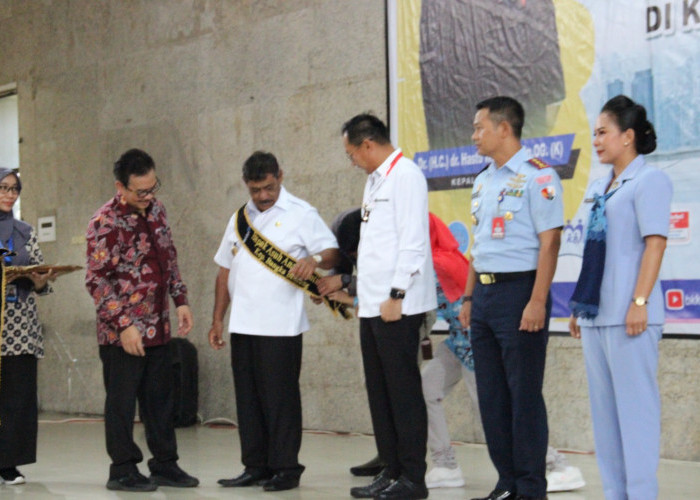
x=279, y=261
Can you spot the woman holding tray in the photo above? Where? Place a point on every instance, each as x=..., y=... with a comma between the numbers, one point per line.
x=22, y=342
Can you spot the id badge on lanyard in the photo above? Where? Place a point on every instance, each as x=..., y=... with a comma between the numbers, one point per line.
x=10, y=292
x=498, y=223
x=498, y=228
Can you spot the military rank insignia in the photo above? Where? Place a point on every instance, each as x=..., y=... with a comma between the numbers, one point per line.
x=537, y=163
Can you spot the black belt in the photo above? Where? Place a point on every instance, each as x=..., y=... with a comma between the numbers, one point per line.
x=491, y=278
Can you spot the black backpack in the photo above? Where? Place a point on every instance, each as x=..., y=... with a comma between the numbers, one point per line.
x=185, y=381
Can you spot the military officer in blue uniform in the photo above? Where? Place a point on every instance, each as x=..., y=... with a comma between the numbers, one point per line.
x=517, y=216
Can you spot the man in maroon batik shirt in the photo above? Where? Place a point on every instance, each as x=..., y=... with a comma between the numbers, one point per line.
x=131, y=274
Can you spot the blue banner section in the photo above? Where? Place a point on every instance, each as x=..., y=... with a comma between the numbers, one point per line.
x=466, y=161
x=561, y=294
x=681, y=299
x=450, y=162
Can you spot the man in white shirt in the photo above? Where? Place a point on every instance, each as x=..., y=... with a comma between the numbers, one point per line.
x=267, y=319
x=395, y=287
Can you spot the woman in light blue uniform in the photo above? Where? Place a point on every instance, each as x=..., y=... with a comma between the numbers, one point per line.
x=618, y=308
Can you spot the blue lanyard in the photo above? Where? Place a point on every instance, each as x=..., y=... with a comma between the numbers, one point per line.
x=10, y=247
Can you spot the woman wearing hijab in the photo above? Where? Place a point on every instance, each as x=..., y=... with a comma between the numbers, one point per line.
x=617, y=306
x=22, y=341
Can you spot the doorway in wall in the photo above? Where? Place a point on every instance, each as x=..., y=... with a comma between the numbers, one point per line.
x=9, y=132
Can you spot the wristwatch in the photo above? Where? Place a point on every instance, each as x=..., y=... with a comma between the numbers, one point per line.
x=466, y=298
x=640, y=301
x=397, y=293
x=317, y=258
x=345, y=280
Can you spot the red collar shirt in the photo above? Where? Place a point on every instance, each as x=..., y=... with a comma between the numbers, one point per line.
x=132, y=271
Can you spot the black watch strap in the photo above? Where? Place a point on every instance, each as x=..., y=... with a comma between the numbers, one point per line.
x=397, y=294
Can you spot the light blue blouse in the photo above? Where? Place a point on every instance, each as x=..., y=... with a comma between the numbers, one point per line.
x=639, y=207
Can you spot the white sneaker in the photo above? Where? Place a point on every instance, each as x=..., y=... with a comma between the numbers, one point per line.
x=11, y=476
x=567, y=479
x=18, y=480
x=442, y=477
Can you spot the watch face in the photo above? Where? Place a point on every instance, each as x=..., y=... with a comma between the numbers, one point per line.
x=640, y=301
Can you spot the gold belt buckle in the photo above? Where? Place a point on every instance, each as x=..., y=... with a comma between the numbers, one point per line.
x=487, y=279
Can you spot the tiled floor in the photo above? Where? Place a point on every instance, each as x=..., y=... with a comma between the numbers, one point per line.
x=73, y=465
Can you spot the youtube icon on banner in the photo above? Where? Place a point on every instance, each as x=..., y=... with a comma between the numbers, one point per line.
x=674, y=299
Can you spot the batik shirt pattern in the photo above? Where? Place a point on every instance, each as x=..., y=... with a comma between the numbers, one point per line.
x=132, y=271
x=22, y=332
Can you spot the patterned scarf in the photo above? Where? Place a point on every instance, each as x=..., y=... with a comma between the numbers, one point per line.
x=586, y=298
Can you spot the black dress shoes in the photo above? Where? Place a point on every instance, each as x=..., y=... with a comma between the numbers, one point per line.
x=378, y=484
x=404, y=489
x=498, y=495
x=281, y=482
x=133, y=481
x=245, y=479
x=170, y=474
x=371, y=468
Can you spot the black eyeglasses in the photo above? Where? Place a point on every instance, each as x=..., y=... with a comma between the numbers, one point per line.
x=9, y=189
x=142, y=193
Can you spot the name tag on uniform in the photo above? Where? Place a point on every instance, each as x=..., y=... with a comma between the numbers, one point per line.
x=498, y=228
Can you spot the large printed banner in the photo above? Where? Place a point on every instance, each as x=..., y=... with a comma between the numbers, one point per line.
x=562, y=59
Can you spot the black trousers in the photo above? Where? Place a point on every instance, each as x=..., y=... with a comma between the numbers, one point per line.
x=18, y=410
x=147, y=379
x=395, y=393
x=509, y=367
x=268, y=401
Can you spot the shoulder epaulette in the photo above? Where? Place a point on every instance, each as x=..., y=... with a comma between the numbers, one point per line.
x=537, y=163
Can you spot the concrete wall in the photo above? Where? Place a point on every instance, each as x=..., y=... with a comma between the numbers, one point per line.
x=200, y=85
